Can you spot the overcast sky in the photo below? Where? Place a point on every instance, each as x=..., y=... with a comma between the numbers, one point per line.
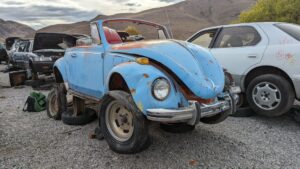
x=40, y=13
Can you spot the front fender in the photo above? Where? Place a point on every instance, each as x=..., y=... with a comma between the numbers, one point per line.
x=139, y=79
x=61, y=66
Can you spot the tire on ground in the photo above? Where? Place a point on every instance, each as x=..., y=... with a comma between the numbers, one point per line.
x=285, y=89
x=88, y=116
x=139, y=140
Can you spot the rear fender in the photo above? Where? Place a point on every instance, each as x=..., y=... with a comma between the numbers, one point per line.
x=139, y=79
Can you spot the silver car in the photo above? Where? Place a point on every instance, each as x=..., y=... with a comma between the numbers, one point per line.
x=264, y=59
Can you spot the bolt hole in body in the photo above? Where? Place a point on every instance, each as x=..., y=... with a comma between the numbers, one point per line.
x=119, y=121
x=266, y=95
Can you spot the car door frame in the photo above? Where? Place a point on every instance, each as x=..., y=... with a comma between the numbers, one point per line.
x=202, y=32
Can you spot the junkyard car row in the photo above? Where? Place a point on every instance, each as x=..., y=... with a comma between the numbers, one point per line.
x=151, y=77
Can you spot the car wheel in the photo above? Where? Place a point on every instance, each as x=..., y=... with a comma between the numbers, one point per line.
x=270, y=95
x=56, y=102
x=123, y=125
x=88, y=116
x=177, y=127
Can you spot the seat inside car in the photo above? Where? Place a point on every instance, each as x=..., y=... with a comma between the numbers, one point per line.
x=112, y=36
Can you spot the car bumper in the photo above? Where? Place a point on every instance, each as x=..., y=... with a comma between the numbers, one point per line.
x=195, y=111
x=43, y=66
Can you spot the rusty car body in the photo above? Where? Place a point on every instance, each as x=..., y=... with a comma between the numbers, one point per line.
x=164, y=80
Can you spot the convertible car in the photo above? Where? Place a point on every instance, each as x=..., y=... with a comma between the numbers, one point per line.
x=147, y=77
x=263, y=59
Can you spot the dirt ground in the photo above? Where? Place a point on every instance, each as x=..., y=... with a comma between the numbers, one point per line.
x=32, y=140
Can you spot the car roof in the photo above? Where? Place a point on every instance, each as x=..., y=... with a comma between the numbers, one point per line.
x=242, y=24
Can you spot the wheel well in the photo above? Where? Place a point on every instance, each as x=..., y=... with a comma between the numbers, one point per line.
x=117, y=82
x=266, y=70
x=58, y=76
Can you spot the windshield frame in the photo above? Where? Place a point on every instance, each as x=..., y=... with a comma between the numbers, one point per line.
x=101, y=24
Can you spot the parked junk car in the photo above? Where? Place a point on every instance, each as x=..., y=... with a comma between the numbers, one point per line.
x=3, y=54
x=38, y=56
x=154, y=79
x=263, y=59
x=10, y=44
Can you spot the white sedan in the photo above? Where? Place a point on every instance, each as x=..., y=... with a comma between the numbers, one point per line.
x=264, y=59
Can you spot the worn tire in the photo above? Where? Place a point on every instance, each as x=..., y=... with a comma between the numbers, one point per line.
x=59, y=93
x=177, y=127
x=284, y=87
x=88, y=116
x=139, y=140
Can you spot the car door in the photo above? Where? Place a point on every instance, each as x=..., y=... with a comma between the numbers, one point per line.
x=86, y=67
x=238, y=48
x=18, y=56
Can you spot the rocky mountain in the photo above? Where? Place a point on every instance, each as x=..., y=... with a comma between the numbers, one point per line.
x=11, y=28
x=184, y=18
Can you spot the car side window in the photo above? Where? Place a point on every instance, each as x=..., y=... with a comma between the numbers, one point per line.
x=95, y=34
x=239, y=36
x=22, y=47
x=205, y=38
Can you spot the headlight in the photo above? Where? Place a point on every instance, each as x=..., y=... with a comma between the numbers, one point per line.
x=160, y=88
x=42, y=58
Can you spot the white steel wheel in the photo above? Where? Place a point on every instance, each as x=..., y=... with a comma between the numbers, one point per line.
x=119, y=121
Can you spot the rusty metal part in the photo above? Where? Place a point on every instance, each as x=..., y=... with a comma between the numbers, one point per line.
x=17, y=78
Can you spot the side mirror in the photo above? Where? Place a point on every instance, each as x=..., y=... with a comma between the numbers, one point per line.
x=84, y=42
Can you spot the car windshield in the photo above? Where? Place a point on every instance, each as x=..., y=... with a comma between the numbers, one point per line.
x=119, y=31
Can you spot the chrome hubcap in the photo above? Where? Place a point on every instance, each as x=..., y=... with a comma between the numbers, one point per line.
x=119, y=121
x=266, y=95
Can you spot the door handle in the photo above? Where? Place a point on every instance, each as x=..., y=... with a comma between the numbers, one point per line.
x=73, y=55
x=252, y=56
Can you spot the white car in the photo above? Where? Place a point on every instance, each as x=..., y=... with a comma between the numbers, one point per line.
x=264, y=59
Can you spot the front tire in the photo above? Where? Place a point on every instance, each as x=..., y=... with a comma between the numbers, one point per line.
x=270, y=95
x=123, y=125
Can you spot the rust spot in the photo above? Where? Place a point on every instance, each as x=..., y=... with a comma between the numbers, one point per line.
x=145, y=75
x=140, y=106
x=132, y=91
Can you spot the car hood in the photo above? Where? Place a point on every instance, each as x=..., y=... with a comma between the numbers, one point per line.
x=194, y=65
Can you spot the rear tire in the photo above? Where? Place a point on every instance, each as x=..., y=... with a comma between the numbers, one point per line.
x=123, y=125
x=56, y=102
x=270, y=95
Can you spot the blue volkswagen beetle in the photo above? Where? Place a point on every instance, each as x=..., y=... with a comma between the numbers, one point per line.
x=139, y=75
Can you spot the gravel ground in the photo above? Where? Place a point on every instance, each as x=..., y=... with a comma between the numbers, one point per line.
x=32, y=140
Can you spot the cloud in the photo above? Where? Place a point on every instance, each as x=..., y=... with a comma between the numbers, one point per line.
x=133, y=4
x=39, y=12
x=168, y=1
